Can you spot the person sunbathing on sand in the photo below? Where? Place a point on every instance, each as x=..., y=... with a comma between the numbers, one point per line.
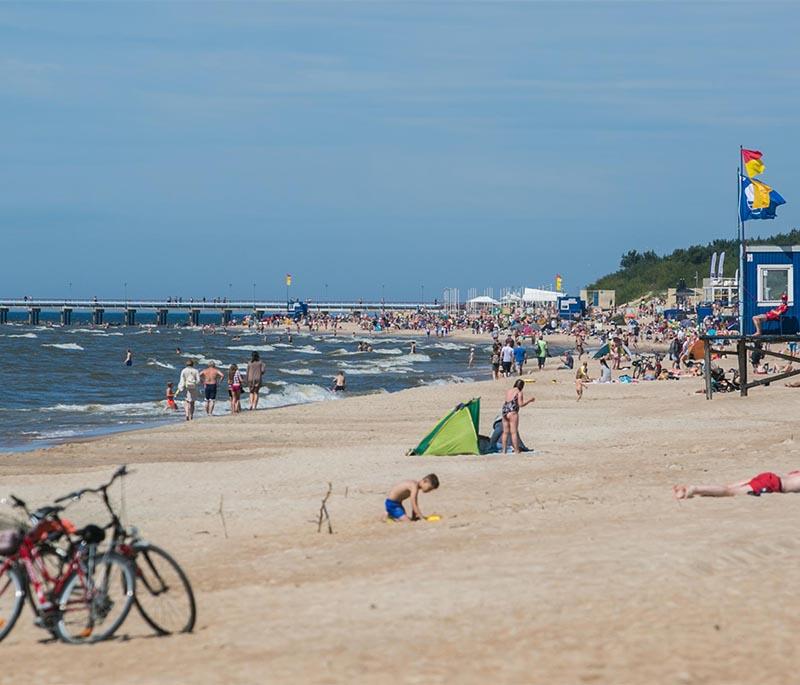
x=408, y=489
x=763, y=483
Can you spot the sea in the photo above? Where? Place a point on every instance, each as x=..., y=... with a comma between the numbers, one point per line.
x=64, y=383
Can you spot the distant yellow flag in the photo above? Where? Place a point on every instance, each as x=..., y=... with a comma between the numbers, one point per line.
x=288, y=280
x=754, y=167
x=761, y=193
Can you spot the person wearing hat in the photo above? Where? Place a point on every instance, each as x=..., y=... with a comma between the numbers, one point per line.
x=772, y=314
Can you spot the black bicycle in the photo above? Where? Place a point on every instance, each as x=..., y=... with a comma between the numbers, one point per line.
x=164, y=595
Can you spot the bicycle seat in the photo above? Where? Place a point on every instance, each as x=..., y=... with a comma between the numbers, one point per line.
x=44, y=512
x=92, y=534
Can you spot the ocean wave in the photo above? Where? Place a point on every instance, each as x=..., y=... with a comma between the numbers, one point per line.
x=202, y=359
x=127, y=408
x=23, y=335
x=297, y=372
x=416, y=357
x=253, y=348
x=449, y=346
x=307, y=349
x=63, y=346
x=391, y=350
x=447, y=380
x=295, y=393
x=163, y=365
x=51, y=434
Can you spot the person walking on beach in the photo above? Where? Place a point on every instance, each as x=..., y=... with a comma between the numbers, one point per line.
x=471, y=358
x=129, y=358
x=211, y=376
x=235, y=382
x=255, y=374
x=510, y=411
x=190, y=384
x=507, y=357
x=582, y=379
x=541, y=352
x=496, y=361
x=520, y=356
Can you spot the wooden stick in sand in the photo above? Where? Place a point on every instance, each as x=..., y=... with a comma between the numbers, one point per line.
x=323, y=512
x=222, y=517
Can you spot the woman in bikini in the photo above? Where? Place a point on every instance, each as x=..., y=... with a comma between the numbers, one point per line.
x=514, y=402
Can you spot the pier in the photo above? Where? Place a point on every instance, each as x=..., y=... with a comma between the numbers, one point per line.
x=192, y=308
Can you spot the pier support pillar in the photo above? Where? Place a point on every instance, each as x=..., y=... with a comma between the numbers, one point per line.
x=3, y=315
x=130, y=317
x=33, y=316
x=162, y=317
x=66, y=316
x=227, y=315
x=97, y=316
x=194, y=317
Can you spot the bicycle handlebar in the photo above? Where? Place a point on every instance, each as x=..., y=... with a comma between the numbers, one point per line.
x=77, y=494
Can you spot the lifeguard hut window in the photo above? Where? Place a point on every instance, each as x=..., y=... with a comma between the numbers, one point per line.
x=773, y=281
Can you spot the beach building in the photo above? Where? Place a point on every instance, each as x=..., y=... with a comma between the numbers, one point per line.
x=604, y=299
x=770, y=271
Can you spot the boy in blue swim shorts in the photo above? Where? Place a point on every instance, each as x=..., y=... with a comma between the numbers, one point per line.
x=409, y=489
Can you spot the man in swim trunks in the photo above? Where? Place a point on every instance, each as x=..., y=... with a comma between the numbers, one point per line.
x=772, y=314
x=408, y=489
x=762, y=484
x=210, y=376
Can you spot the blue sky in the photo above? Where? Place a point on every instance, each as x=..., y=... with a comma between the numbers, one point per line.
x=182, y=147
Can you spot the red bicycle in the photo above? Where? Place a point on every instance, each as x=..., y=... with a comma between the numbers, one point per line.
x=77, y=592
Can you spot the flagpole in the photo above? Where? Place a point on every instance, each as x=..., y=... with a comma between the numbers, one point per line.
x=741, y=230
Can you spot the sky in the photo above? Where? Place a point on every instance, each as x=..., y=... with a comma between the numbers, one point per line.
x=379, y=148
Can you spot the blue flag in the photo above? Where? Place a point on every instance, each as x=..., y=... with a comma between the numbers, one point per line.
x=746, y=211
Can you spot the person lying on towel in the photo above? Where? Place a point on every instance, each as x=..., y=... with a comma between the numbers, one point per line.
x=762, y=484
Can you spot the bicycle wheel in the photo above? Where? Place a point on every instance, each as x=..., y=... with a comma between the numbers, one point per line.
x=12, y=597
x=164, y=595
x=96, y=599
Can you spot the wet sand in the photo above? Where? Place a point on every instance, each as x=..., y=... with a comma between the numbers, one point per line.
x=573, y=565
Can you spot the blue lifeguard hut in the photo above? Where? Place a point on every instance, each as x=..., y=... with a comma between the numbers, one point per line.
x=770, y=271
x=571, y=307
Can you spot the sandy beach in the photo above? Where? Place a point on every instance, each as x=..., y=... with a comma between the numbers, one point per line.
x=572, y=565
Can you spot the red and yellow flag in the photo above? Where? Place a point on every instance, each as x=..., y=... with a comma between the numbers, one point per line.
x=751, y=160
x=559, y=282
x=288, y=280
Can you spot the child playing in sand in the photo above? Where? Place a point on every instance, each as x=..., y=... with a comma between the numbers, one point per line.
x=761, y=484
x=409, y=489
x=171, y=398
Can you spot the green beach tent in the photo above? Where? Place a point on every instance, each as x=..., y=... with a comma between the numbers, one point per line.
x=456, y=433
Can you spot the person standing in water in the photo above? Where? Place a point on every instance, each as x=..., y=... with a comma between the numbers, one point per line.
x=211, y=376
x=339, y=382
x=471, y=358
x=190, y=384
x=129, y=358
x=255, y=374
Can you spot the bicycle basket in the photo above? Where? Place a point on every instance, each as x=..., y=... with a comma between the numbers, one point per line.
x=9, y=541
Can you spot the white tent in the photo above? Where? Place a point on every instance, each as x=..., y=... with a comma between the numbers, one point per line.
x=482, y=299
x=538, y=295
